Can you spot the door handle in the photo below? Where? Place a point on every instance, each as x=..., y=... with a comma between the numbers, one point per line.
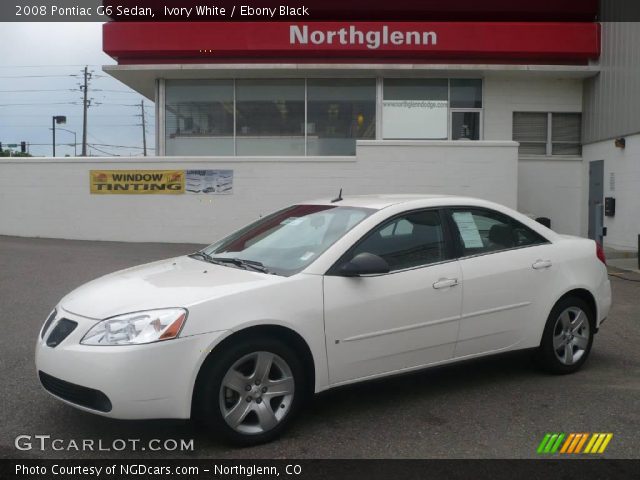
x=541, y=264
x=445, y=283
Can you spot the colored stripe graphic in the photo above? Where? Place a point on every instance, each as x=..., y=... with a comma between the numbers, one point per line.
x=573, y=443
x=598, y=442
x=566, y=445
x=543, y=443
x=581, y=443
x=555, y=447
x=605, y=443
x=550, y=443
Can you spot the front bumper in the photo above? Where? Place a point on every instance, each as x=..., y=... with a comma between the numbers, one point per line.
x=140, y=381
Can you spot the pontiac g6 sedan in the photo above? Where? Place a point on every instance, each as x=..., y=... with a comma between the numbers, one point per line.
x=317, y=295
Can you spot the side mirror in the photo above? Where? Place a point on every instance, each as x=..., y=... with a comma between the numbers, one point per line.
x=364, y=264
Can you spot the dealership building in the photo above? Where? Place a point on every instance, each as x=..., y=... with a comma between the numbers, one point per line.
x=539, y=110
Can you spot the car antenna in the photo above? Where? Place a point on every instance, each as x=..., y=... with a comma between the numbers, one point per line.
x=338, y=198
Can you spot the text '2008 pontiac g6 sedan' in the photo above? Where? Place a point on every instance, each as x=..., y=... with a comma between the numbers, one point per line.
x=318, y=295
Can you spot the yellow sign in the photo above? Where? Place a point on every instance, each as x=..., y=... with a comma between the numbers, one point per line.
x=137, y=181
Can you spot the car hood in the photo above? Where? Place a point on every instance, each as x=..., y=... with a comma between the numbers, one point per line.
x=176, y=282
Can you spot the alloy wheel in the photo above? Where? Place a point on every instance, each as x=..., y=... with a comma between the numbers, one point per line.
x=571, y=335
x=256, y=393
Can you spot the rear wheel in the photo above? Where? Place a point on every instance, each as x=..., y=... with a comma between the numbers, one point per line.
x=568, y=336
x=250, y=392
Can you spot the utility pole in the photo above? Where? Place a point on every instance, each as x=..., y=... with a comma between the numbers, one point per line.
x=85, y=107
x=144, y=130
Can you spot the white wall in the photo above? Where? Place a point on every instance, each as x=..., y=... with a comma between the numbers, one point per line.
x=624, y=228
x=505, y=94
x=50, y=197
x=553, y=189
x=547, y=186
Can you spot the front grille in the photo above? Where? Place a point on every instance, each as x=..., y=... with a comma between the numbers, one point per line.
x=61, y=331
x=83, y=396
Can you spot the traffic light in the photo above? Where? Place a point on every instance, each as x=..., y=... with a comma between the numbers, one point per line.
x=23, y=147
x=0, y=146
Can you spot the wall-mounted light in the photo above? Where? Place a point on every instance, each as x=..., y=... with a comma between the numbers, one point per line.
x=621, y=142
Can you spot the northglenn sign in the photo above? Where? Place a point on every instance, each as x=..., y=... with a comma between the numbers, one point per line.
x=372, y=39
x=210, y=42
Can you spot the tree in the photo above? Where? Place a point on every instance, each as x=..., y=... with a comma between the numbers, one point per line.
x=9, y=153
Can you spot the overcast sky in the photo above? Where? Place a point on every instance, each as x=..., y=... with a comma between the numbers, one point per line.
x=41, y=65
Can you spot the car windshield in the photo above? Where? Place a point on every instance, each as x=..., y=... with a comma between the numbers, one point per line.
x=288, y=240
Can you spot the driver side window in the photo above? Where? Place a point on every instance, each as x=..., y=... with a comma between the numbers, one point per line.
x=411, y=240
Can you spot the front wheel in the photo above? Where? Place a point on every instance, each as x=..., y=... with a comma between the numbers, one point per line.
x=568, y=336
x=251, y=391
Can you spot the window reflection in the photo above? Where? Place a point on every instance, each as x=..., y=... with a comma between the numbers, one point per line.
x=339, y=112
x=270, y=117
x=199, y=117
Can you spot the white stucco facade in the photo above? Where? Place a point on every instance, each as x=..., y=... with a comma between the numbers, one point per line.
x=622, y=182
x=51, y=197
x=540, y=186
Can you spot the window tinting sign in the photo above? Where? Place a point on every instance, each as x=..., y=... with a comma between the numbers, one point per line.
x=415, y=119
x=209, y=182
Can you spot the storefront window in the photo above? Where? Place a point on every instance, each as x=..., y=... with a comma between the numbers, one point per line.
x=270, y=117
x=466, y=93
x=339, y=111
x=415, y=109
x=465, y=126
x=321, y=116
x=199, y=117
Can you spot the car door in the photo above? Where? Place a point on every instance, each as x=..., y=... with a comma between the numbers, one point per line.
x=506, y=270
x=409, y=317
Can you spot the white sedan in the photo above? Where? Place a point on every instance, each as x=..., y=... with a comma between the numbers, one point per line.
x=317, y=295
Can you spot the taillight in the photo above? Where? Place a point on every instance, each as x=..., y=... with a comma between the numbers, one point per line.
x=600, y=253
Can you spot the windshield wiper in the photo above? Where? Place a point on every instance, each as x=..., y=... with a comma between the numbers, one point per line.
x=238, y=262
x=252, y=264
x=204, y=256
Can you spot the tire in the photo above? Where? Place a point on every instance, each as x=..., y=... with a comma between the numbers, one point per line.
x=249, y=392
x=568, y=337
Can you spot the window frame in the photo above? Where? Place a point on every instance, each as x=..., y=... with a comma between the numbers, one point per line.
x=479, y=111
x=552, y=142
x=447, y=237
x=549, y=138
x=450, y=109
x=457, y=238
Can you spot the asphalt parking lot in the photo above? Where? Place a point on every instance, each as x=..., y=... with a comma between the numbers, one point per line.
x=498, y=407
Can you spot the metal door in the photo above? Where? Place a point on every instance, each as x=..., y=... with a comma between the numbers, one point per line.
x=596, y=199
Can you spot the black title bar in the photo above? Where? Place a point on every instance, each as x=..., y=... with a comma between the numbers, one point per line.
x=320, y=469
x=320, y=10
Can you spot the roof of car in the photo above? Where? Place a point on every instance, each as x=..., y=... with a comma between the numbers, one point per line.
x=381, y=201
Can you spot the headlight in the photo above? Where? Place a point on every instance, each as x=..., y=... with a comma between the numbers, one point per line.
x=136, y=328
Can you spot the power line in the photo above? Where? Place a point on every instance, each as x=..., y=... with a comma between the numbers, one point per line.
x=37, y=90
x=38, y=104
x=95, y=115
x=51, y=66
x=91, y=144
x=37, y=76
x=115, y=91
x=137, y=105
x=38, y=125
x=102, y=151
x=120, y=146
